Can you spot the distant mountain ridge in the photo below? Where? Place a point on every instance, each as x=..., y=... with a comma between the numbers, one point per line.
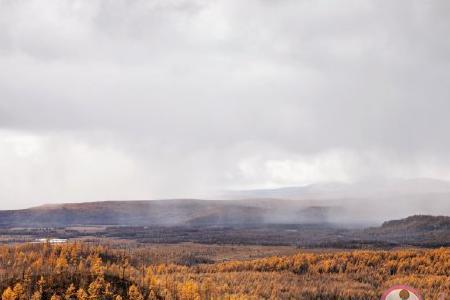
x=166, y=213
x=366, y=201
x=340, y=189
x=359, y=203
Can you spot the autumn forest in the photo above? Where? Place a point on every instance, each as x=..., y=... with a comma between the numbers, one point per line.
x=84, y=271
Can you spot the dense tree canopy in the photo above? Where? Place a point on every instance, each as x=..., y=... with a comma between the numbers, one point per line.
x=81, y=271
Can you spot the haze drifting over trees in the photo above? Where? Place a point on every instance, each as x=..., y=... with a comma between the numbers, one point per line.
x=155, y=99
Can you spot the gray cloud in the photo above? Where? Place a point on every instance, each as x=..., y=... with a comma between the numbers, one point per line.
x=145, y=99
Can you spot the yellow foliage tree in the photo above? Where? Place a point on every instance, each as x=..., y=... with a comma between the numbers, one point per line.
x=82, y=295
x=70, y=293
x=9, y=294
x=189, y=291
x=61, y=263
x=134, y=293
x=20, y=291
x=96, y=265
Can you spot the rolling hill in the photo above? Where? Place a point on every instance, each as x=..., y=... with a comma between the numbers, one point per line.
x=418, y=230
x=166, y=213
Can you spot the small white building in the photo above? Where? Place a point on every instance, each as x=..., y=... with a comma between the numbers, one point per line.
x=51, y=241
x=57, y=241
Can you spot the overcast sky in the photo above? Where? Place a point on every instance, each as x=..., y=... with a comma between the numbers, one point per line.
x=144, y=99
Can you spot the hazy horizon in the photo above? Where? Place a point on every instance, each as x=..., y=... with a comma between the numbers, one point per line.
x=161, y=99
x=383, y=199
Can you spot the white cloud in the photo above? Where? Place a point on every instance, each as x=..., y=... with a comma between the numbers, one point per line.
x=187, y=96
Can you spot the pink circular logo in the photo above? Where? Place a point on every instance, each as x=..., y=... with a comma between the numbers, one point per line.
x=401, y=292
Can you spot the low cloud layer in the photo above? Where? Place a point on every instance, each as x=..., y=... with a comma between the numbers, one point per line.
x=153, y=99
